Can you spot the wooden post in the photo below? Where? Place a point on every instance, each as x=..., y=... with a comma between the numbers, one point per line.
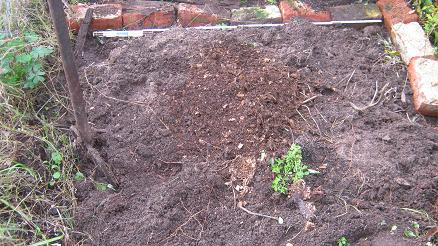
x=70, y=70
x=82, y=34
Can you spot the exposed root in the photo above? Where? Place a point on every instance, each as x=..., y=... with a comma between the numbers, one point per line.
x=374, y=101
x=278, y=219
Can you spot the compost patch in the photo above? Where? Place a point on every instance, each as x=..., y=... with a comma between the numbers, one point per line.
x=183, y=113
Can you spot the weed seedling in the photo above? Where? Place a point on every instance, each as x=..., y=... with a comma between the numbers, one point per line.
x=343, y=241
x=288, y=169
x=414, y=233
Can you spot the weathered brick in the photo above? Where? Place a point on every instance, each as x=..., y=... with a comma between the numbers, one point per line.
x=291, y=9
x=148, y=14
x=396, y=11
x=105, y=16
x=256, y=15
x=411, y=41
x=356, y=12
x=190, y=15
x=423, y=75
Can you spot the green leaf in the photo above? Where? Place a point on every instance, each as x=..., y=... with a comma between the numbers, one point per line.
x=31, y=37
x=15, y=43
x=56, y=158
x=415, y=225
x=23, y=58
x=101, y=186
x=409, y=234
x=56, y=175
x=41, y=52
x=79, y=177
x=343, y=241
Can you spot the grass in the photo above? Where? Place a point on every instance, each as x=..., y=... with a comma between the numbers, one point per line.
x=37, y=158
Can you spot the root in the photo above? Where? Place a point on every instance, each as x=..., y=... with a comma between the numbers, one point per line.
x=278, y=219
x=98, y=161
x=374, y=101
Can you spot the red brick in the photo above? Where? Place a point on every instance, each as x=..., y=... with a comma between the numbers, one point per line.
x=148, y=14
x=290, y=10
x=105, y=16
x=423, y=76
x=190, y=15
x=396, y=11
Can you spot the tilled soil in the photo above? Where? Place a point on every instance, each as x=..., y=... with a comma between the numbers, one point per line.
x=186, y=115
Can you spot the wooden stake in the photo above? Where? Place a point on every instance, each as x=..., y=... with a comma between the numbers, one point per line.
x=70, y=70
x=82, y=34
x=74, y=87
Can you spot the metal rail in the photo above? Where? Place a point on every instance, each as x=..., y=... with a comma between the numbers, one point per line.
x=140, y=33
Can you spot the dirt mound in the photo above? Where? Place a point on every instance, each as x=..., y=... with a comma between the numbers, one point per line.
x=185, y=112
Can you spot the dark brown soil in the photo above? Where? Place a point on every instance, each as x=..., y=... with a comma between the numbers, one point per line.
x=185, y=111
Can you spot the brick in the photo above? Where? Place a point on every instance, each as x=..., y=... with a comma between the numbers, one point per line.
x=396, y=11
x=148, y=14
x=423, y=76
x=256, y=15
x=190, y=15
x=105, y=16
x=356, y=12
x=291, y=9
x=411, y=41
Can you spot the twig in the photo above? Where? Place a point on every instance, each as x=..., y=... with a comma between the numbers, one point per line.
x=309, y=99
x=278, y=219
x=349, y=79
x=317, y=126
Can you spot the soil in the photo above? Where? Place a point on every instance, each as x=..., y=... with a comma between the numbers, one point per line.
x=185, y=115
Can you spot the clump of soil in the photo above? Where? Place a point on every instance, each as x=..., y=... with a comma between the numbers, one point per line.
x=184, y=111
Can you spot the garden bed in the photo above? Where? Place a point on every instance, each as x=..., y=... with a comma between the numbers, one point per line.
x=185, y=112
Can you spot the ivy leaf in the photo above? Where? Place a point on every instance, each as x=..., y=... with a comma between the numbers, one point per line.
x=23, y=58
x=41, y=51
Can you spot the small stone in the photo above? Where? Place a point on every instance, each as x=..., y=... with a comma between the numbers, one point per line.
x=240, y=146
x=411, y=41
x=386, y=138
x=402, y=182
x=423, y=76
x=256, y=15
x=356, y=12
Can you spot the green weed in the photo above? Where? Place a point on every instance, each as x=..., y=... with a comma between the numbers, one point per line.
x=271, y=2
x=22, y=60
x=428, y=13
x=412, y=232
x=288, y=169
x=343, y=241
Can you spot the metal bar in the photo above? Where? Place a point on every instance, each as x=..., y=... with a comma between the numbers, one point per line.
x=139, y=33
x=70, y=70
